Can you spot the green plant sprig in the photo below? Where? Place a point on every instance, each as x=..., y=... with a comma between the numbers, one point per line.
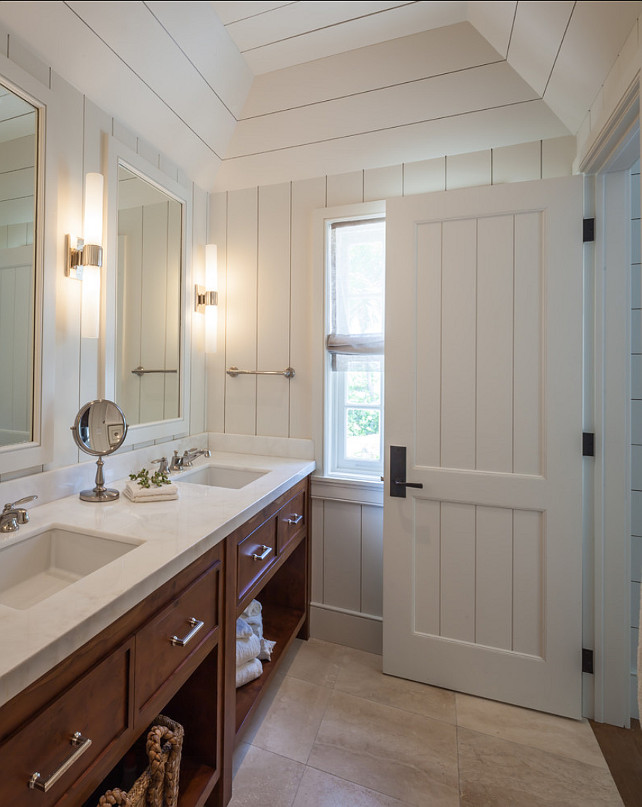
x=158, y=478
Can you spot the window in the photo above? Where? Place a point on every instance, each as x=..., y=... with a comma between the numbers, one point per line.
x=355, y=272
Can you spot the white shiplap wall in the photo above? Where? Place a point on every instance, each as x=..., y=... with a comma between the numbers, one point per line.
x=76, y=137
x=636, y=432
x=270, y=289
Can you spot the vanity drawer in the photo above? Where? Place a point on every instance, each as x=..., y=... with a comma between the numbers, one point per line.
x=255, y=554
x=95, y=707
x=291, y=520
x=171, y=638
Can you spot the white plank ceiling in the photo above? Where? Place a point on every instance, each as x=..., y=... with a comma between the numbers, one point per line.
x=247, y=93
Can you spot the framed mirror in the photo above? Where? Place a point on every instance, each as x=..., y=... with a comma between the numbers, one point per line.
x=149, y=215
x=19, y=276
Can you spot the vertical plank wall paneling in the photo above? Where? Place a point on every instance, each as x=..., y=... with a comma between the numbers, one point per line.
x=67, y=143
x=271, y=292
x=636, y=432
x=305, y=410
x=215, y=377
x=92, y=367
x=241, y=348
x=198, y=374
x=273, y=311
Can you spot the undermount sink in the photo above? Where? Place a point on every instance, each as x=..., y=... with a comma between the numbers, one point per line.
x=35, y=568
x=219, y=476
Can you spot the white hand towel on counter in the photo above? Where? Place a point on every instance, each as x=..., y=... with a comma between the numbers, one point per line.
x=165, y=493
x=248, y=672
x=247, y=649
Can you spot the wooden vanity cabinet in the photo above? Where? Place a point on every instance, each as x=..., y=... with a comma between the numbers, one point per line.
x=111, y=689
x=280, y=581
x=158, y=658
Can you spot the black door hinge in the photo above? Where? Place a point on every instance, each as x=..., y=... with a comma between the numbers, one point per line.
x=587, y=661
x=588, y=444
x=588, y=230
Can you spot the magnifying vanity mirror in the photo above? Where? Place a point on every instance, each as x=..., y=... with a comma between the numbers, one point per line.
x=100, y=428
x=18, y=183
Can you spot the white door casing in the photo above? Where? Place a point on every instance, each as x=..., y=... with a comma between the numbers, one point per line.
x=482, y=567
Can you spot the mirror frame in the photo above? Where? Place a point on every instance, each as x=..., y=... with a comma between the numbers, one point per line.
x=39, y=451
x=119, y=154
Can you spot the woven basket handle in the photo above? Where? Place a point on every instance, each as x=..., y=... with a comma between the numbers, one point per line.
x=160, y=741
x=113, y=797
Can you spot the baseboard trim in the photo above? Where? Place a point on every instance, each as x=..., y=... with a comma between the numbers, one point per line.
x=360, y=631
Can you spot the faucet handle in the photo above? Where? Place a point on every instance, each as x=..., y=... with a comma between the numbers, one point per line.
x=162, y=465
x=26, y=499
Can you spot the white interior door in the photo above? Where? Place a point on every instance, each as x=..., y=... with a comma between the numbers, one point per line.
x=482, y=565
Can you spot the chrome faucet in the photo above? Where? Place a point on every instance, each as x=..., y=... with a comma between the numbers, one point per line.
x=185, y=461
x=163, y=467
x=13, y=516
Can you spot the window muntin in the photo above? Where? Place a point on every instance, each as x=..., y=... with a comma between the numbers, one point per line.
x=355, y=323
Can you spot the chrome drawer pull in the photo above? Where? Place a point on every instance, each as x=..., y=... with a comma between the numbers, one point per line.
x=197, y=625
x=264, y=554
x=82, y=744
x=295, y=518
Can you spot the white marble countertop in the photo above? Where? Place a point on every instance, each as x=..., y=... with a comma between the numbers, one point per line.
x=173, y=534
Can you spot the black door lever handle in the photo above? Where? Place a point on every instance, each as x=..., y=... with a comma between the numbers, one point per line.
x=409, y=484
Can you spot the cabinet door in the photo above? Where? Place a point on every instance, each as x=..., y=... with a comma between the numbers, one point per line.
x=59, y=745
x=167, y=643
x=255, y=554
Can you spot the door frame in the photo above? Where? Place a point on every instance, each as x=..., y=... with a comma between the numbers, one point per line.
x=607, y=528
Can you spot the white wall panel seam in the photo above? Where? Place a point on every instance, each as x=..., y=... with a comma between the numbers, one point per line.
x=550, y=75
x=512, y=28
x=380, y=129
x=192, y=63
x=256, y=314
x=369, y=91
x=513, y=396
x=476, y=349
x=149, y=88
x=227, y=241
x=290, y=315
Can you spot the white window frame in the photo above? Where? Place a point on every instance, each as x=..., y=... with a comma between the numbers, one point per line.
x=335, y=462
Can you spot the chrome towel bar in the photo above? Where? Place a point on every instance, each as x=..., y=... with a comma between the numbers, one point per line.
x=234, y=371
x=139, y=371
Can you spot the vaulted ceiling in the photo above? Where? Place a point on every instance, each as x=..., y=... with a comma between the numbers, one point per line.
x=247, y=93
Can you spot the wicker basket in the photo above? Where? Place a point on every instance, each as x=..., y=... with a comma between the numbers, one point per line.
x=157, y=786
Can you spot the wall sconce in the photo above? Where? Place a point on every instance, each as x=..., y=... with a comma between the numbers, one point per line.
x=85, y=255
x=206, y=298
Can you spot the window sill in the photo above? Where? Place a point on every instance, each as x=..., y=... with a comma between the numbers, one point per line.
x=352, y=489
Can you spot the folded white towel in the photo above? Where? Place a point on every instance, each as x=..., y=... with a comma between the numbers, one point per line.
x=243, y=630
x=267, y=647
x=247, y=649
x=253, y=609
x=134, y=492
x=255, y=623
x=248, y=672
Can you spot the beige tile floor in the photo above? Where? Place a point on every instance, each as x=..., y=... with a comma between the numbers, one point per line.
x=333, y=731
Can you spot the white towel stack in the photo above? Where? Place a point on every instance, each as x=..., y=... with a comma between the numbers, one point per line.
x=164, y=493
x=254, y=618
x=251, y=646
x=248, y=647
